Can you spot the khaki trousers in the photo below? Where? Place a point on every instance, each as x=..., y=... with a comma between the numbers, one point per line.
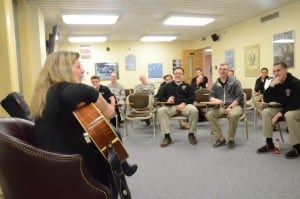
x=292, y=119
x=166, y=112
x=233, y=118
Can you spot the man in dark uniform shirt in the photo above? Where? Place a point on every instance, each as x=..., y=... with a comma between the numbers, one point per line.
x=285, y=90
x=107, y=95
x=180, y=97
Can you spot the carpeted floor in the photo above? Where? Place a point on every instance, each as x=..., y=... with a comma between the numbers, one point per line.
x=184, y=171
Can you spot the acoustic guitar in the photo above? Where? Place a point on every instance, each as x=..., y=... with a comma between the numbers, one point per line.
x=99, y=130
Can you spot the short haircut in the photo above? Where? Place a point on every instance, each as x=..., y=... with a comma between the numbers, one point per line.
x=264, y=69
x=282, y=63
x=224, y=64
x=95, y=77
x=198, y=69
x=168, y=75
x=180, y=68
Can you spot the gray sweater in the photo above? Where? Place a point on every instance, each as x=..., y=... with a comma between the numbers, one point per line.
x=231, y=91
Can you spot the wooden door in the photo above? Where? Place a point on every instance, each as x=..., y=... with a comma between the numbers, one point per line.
x=191, y=59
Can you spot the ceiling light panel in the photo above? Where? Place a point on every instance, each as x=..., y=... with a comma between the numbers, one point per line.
x=188, y=21
x=157, y=38
x=87, y=39
x=90, y=19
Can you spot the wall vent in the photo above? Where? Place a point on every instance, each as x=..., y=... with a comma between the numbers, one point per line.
x=269, y=17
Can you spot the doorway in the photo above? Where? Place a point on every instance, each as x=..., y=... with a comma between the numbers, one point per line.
x=192, y=59
x=207, y=66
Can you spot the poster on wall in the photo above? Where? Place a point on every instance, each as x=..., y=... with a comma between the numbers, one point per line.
x=130, y=63
x=283, y=48
x=85, y=51
x=229, y=58
x=252, y=61
x=176, y=63
x=155, y=71
x=104, y=69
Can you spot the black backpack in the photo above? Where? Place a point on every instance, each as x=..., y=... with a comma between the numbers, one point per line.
x=15, y=105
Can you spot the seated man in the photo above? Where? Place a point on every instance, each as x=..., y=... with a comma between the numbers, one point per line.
x=167, y=79
x=119, y=92
x=145, y=87
x=284, y=89
x=227, y=93
x=116, y=88
x=180, y=96
x=107, y=95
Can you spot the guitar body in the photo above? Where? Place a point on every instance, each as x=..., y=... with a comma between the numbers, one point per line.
x=99, y=130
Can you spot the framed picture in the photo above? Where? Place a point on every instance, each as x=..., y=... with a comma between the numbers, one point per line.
x=104, y=69
x=155, y=71
x=252, y=61
x=229, y=58
x=130, y=62
x=283, y=47
x=176, y=63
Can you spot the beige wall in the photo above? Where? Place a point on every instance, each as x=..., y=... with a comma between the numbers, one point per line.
x=32, y=44
x=145, y=53
x=254, y=32
x=8, y=55
x=237, y=37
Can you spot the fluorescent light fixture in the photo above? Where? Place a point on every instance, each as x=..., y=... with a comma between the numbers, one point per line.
x=283, y=41
x=188, y=21
x=208, y=50
x=158, y=38
x=90, y=39
x=90, y=19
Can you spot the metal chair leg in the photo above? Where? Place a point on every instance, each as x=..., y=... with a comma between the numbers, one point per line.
x=280, y=131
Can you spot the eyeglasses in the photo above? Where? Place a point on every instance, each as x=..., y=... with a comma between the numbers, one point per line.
x=178, y=73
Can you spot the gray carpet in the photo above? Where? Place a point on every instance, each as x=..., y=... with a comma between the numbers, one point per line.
x=184, y=171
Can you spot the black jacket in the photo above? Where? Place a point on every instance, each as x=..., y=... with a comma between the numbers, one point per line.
x=182, y=93
x=194, y=83
x=287, y=94
x=259, y=85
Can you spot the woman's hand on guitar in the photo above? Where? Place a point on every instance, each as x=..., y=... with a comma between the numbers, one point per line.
x=106, y=109
x=108, y=113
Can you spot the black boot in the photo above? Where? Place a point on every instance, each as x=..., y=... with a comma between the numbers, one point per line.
x=267, y=147
x=128, y=169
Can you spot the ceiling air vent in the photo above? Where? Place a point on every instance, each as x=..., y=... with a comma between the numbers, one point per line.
x=269, y=17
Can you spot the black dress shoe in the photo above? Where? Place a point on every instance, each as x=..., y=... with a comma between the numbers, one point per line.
x=266, y=148
x=292, y=154
x=130, y=170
